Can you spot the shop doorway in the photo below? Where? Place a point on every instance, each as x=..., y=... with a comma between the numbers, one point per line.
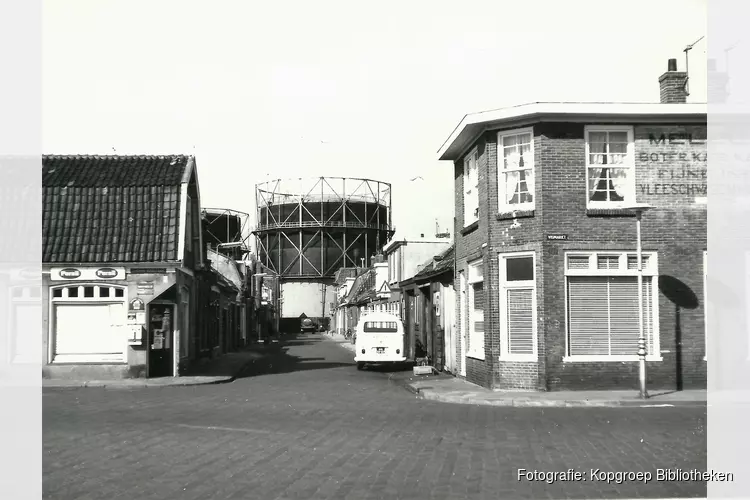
x=161, y=340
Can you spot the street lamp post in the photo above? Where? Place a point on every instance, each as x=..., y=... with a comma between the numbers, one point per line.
x=258, y=291
x=639, y=208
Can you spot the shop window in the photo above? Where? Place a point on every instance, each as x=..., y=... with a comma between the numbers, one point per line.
x=602, y=307
x=87, y=324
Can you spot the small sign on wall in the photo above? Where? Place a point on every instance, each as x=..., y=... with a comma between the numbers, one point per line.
x=137, y=305
x=86, y=273
x=145, y=288
x=136, y=318
x=557, y=237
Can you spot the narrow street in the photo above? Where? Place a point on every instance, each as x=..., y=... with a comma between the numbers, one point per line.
x=304, y=423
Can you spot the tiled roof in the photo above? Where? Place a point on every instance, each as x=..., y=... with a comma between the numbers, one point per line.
x=344, y=273
x=111, y=208
x=443, y=262
x=366, y=288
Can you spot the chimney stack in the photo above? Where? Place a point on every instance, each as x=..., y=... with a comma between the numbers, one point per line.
x=672, y=85
x=717, y=84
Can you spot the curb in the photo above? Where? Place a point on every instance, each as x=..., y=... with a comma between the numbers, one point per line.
x=525, y=403
x=115, y=385
x=119, y=385
x=410, y=388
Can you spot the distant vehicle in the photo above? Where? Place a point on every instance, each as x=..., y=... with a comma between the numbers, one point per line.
x=379, y=339
x=308, y=325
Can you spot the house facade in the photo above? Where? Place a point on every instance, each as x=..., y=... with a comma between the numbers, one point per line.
x=429, y=314
x=403, y=258
x=122, y=260
x=546, y=269
x=342, y=283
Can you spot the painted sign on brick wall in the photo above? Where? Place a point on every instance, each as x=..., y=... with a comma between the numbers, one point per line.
x=671, y=163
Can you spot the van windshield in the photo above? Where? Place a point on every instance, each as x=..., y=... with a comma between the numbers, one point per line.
x=380, y=327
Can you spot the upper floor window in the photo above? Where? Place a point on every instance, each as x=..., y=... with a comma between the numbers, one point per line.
x=515, y=170
x=610, y=166
x=471, y=189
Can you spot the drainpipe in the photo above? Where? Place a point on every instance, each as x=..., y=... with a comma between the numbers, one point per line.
x=489, y=297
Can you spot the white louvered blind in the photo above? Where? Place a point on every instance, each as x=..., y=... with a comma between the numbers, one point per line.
x=520, y=321
x=477, y=318
x=603, y=315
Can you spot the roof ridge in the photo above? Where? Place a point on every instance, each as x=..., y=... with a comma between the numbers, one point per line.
x=116, y=156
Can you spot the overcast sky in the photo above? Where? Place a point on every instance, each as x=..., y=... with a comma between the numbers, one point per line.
x=271, y=90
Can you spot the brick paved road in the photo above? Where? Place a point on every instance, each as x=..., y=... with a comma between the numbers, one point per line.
x=315, y=427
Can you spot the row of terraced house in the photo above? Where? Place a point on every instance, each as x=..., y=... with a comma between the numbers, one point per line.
x=132, y=283
x=543, y=258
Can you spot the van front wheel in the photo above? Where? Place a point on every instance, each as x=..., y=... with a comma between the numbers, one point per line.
x=360, y=365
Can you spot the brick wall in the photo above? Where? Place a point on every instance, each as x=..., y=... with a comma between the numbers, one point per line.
x=670, y=175
x=675, y=228
x=469, y=248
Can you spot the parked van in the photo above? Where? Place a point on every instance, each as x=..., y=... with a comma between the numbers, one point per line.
x=379, y=339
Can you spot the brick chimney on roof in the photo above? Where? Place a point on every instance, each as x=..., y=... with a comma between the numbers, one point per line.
x=717, y=84
x=672, y=84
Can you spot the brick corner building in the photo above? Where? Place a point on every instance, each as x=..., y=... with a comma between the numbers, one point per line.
x=543, y=227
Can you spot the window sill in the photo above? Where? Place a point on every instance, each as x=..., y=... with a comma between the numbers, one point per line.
x=609, y=212
x=519, y=358
x=475, y=355
x=515, y=214
x=607, y=359
x=470, y=228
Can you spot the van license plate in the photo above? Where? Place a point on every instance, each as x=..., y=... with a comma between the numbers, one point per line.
x=380, y=349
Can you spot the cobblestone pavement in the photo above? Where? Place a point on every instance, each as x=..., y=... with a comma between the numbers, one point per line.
x=305, y=424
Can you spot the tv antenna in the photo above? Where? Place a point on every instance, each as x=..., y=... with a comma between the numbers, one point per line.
x=686, y=50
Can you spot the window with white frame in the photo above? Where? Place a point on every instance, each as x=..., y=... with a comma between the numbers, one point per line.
x=471, y=189
x=515, y=170
x=610, y=166
x=391, y=268
x=87, y=324
x=476, y=310
x=602, y=306
x=518, y=307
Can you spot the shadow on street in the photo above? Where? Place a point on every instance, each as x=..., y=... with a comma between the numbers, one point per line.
x=295, y=353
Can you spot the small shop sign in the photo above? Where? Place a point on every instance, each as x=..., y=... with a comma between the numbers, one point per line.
x=148, y=270
x=137, y=305
x=557, y=237
x=87, y=273
x=145, y=287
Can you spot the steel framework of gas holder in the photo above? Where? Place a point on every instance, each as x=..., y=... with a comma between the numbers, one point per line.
x=223, y=232
x=341, y=215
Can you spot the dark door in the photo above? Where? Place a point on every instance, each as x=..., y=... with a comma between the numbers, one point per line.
x=160, y=338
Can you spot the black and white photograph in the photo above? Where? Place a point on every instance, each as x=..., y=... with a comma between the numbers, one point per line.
x=392, y=250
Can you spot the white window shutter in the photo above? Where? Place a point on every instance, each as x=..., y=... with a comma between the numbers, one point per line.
x=588, y=322
x=603, y=315
x=520, y=316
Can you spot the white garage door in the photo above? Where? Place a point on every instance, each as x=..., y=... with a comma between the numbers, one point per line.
x=90, y=332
